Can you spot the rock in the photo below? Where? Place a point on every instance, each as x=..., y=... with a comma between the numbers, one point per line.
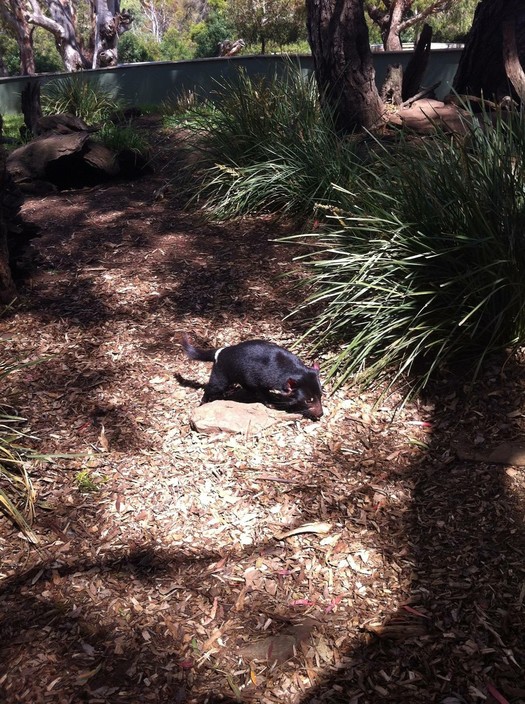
x=63, y=123
x=509, y=453
x=234, y=417
x=70, y=160
x=426, y=116
x=280, y=647
x=100, y=157
x=31, y=161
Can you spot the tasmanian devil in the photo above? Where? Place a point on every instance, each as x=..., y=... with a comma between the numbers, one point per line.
x=272, y=373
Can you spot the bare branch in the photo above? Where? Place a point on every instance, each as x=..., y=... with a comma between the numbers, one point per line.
x=434, y=8
x=37, y=18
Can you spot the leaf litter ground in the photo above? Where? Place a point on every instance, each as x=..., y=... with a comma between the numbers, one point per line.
x=164, y=571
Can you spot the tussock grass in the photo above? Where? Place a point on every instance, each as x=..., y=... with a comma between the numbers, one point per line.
x=266, y=146
x=82, y=98
x=423, y=264
x=17, y=494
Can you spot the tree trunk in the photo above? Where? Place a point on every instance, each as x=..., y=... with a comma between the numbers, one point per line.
x=417, y=65
x=391, y=89
x=392, y=38
x=110, y=24
x=14, y=16
x=481, y=70
x=338, y=36
x=31, y=105
x=7, y=286
x=511, y=59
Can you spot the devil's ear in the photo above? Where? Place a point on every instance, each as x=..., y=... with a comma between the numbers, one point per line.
x=316, y=367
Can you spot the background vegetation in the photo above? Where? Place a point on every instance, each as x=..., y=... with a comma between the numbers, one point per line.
x=171, y=30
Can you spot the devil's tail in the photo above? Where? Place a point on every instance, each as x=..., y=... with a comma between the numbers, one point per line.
x=197, y=352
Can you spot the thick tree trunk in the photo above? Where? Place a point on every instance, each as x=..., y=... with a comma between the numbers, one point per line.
x=110, y=24
x=481, y=71
x=345, y=75
x=14, y=16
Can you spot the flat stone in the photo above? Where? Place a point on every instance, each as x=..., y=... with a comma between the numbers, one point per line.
x=234, y=417
x=427, y=116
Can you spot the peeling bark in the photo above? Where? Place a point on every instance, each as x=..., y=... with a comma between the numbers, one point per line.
x=59, y=18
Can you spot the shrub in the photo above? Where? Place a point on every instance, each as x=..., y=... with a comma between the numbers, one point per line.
x=81, y=97
x=122, y=137
x=206, y=35
x=136, y=48
x=422, y=263
x=17, y=496
x=268, y=147
x=175, y=46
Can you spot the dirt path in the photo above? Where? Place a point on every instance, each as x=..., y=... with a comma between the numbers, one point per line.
x=169, y=582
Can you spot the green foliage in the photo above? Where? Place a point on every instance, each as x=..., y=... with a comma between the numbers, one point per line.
x=454, y=24
x=87, y=483
x=260, y=22
x=11, y=125
x=136, y=47
x=9, y=53
x=81, y=97
x=122, y=137
x=266, y=146
x=421, y=263
x=207, y=34
x=176, y=46
x=47, y=58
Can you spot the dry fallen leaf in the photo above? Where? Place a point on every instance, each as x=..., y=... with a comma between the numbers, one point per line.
x=103, y=440
x=306, y=528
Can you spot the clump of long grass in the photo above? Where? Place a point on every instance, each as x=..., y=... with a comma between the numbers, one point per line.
x=266, y=146
x=83, y=98
x=17, y=494
x=122, y=137
x=423, y=262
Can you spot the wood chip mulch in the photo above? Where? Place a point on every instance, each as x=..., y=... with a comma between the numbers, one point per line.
x=353, y=560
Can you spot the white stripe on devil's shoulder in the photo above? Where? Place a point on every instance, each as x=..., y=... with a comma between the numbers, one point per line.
x=217, y=353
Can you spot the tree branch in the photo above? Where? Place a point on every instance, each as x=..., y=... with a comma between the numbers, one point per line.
x=37, y=18
x=435, y=7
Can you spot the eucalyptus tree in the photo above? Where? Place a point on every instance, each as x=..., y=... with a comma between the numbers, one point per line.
x=345, y=75
x=60, y=18
x=393, y=17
